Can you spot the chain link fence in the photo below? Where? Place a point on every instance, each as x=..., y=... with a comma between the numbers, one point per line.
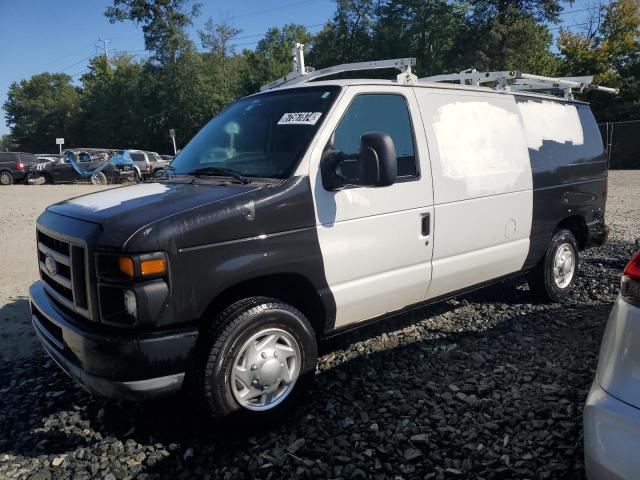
x=622, y=142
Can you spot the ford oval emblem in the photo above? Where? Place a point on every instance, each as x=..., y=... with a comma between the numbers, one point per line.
x=50, y=263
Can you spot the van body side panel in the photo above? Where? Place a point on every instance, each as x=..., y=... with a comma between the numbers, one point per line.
x=569, y=169
x=482, y=187
x=264, y=231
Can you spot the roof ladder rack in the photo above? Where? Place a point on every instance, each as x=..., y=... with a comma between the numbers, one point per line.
x=517, y=81
x=303, y=74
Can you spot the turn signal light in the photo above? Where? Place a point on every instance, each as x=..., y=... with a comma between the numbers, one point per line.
x=630, y=288
x=152, y=267
x=125, y=264
x=633, y=267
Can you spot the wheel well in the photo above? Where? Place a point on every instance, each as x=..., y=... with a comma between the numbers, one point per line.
x=290, y=288
x=576, y=225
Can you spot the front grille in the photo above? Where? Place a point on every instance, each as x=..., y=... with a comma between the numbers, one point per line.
x=63, y=272
x=54, y=332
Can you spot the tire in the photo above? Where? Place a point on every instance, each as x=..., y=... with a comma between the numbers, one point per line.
x=551, y=285
x=6, y=178
x=99, y=179
x=251, y=322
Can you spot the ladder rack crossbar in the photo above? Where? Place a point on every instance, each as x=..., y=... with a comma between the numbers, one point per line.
x=522, y=81
x=297, y=77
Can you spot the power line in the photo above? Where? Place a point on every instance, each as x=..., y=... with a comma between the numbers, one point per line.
x=569, y=26
x=74, y=64
x=80, y=73
x=65, y=56
x=575, y=11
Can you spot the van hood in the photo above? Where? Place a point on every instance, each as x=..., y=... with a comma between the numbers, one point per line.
x=122, y=211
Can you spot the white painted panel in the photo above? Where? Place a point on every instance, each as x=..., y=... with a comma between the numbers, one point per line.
x=471, y=268
x=375, y=258
x=375, y=265
x=479, y=239
x=551, y=122
x=474, y=224
x=476, y=142
x=483, y=199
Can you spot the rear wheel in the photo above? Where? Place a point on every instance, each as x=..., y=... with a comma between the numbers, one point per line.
x=6, y=178
x=99, y=179
x=258, y=361
x=555, y=276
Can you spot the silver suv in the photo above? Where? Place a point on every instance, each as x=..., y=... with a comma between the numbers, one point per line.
x=147, y=164
x=612, y=413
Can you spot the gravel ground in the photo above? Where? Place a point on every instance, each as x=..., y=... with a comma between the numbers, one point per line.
x=486, y=386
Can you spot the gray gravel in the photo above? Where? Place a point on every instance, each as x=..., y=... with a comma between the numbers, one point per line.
x=485, y=386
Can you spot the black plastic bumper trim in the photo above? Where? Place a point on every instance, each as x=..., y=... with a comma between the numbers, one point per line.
x=128, y=366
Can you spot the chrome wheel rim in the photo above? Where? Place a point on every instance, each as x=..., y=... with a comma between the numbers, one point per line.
x=564, y=265
x=97, y=179
x=265, y=369
x=5, y=178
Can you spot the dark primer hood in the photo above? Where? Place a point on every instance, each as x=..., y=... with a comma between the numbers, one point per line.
x=123, y=211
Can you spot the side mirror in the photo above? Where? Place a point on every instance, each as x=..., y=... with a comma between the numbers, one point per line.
x=376, y=164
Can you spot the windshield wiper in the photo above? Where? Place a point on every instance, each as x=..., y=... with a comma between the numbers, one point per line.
x=213, y=171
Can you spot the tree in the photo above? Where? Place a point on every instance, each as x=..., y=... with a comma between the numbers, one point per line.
x=509, y=35
x=610, y=50
x=425, y=29
x=163, y=24
x=6, y=143
x=216, y=36
x=40, y=109
x=348, y=37
x=110, y=104
x=273, y=57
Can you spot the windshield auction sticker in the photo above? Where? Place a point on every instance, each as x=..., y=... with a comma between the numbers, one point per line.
x=300, y=118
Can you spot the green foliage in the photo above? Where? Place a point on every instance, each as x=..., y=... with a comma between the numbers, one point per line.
x=163, y=24
x=40, y=109
x=6, y=143
x=612, y=53
x=131, y=103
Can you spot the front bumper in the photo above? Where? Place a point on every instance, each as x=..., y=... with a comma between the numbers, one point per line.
x=611, y=437
x=110, y=362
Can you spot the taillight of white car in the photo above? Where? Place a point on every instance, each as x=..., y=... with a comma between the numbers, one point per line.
x=630, y=289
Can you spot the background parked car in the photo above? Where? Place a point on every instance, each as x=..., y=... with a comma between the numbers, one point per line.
x=48, y=157
x=147, y=164
x=612, y=413
x=61, y=171
x=14, y=166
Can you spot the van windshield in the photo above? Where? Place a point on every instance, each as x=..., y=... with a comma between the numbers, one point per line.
x=260, y=136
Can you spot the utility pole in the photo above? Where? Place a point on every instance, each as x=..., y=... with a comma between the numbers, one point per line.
x=104, y=48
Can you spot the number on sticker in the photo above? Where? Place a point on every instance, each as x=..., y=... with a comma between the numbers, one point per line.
x=300, y=118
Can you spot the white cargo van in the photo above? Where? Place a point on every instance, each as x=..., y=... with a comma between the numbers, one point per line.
x=311, y=208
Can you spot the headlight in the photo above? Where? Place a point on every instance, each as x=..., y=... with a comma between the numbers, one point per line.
x=130, y=304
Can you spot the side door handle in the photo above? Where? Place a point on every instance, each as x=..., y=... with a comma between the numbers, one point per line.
x=426, y=225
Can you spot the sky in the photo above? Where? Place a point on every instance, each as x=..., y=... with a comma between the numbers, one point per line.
x=61, y=35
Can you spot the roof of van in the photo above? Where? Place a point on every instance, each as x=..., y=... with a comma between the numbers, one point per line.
x=419, y=84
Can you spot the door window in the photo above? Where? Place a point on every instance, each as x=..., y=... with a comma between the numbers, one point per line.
x=380, y=113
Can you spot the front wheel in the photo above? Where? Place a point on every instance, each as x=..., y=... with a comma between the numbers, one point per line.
x=6, y=178
x=259, y=361
x=555, y=276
